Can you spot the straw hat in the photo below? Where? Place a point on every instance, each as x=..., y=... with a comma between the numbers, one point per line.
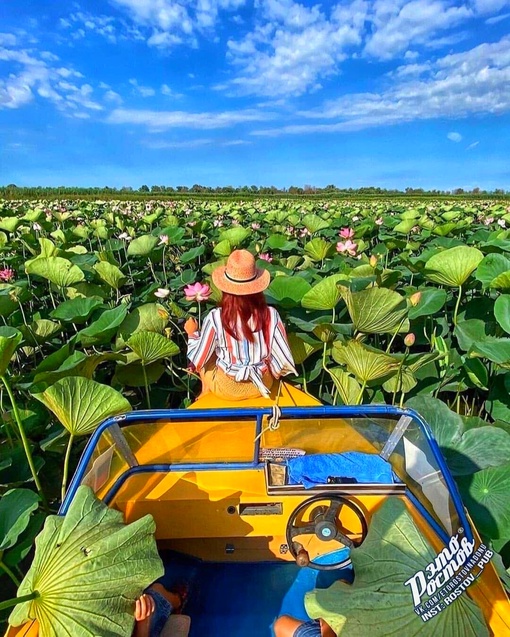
x=240, y=276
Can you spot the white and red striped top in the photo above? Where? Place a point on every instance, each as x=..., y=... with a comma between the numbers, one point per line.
x=241, y=359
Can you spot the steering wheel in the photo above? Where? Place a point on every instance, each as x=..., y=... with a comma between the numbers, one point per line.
x=324, y=525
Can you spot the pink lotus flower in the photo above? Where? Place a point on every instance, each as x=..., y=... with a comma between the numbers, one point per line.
x=502, y=223
x=161, y=293
x=265, y=256
x=163, y=239
x=217, y=223
x=350, y=247
x=346, y=233
x=197, y=292
x=255, y=226
x=379, y=221
x=6, y=274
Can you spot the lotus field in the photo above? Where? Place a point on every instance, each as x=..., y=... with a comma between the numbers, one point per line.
x=390, y=301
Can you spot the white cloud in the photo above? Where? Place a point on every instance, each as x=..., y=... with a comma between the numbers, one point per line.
x=35, y=74
x=161, y=120
x=454, y=137
x=172, y=22
x=458, y=85
x=396, y=24
x=497, y=18
x=473, y=145
x=143, y=91
x=294, y=47
x=157, y=144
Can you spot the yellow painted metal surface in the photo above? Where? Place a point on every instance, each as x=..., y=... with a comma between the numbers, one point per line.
x=285, y=395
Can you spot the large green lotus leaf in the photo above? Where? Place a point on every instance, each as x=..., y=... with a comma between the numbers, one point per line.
x=48, y=248
x=135, y=374
x=402, y=381
x=318, y=249
x=490, y=267
x=57, y=270
x=453, y=266
x=478, y=449
x=150, y=317
x=288, y=290
x=470, y=332
x=502, y=311
x=8, y=302
x=104, y=328
x=151, y=347
x=496, y=350
x=9, y=223
x=89, y=568
x=325, y=294
x=40, y=331
x=477, y=372
x=76, y=310
x=235, y=236
x=405, y=226
x=501, y=282
x=446, y=425
x=10, y=338
x=81, y=404
x=432, y=300
x=486, y=496
x=110, y=274
x=77, y=364
x=223, y=248
x=377, y=603
x=280, y=242
x=142, y=246
x=16, y=507
x=192, y=255
x=366, y=363
x=301, y=349
x=376, y=310
x=465, y=451
x=86, y=290
x=348, y=387
x=313, y=223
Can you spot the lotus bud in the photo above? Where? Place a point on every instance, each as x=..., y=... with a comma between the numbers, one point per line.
x=415, y=298
x=373, y=261
x=409, y=340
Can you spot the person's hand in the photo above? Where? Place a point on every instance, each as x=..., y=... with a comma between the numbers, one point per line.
x=144, y=607
x=191, y=326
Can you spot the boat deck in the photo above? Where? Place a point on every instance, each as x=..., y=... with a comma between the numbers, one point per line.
x=244, y=598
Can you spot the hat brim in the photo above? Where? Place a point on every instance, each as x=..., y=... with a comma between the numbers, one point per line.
x=258, y=284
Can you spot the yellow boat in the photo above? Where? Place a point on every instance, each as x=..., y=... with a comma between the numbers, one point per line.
x=232, y=516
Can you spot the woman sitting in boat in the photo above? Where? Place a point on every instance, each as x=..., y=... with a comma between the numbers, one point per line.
x=242, y=346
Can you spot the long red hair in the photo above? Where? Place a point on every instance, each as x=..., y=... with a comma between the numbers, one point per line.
x=237, y=310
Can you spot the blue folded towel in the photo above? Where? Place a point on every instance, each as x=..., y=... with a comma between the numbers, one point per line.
x=316, y=468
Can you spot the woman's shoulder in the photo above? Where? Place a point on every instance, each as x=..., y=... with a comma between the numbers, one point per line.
x=213, y=316
x=273, y=313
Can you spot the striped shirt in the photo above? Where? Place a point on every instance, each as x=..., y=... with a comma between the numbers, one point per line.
x=241, y=359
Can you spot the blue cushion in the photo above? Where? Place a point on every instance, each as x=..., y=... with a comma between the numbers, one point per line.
x=360, y=467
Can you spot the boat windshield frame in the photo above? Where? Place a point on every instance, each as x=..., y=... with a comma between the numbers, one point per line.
x=402, y=417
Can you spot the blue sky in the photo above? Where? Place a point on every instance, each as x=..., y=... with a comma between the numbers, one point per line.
x=268, y=92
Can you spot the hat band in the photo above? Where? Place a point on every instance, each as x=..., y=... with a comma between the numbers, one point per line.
x=241, y=280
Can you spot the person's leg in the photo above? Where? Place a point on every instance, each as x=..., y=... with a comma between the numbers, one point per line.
x=174, y=598
x=285, y=626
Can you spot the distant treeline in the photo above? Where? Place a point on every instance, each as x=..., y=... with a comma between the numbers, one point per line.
x=161, y=192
